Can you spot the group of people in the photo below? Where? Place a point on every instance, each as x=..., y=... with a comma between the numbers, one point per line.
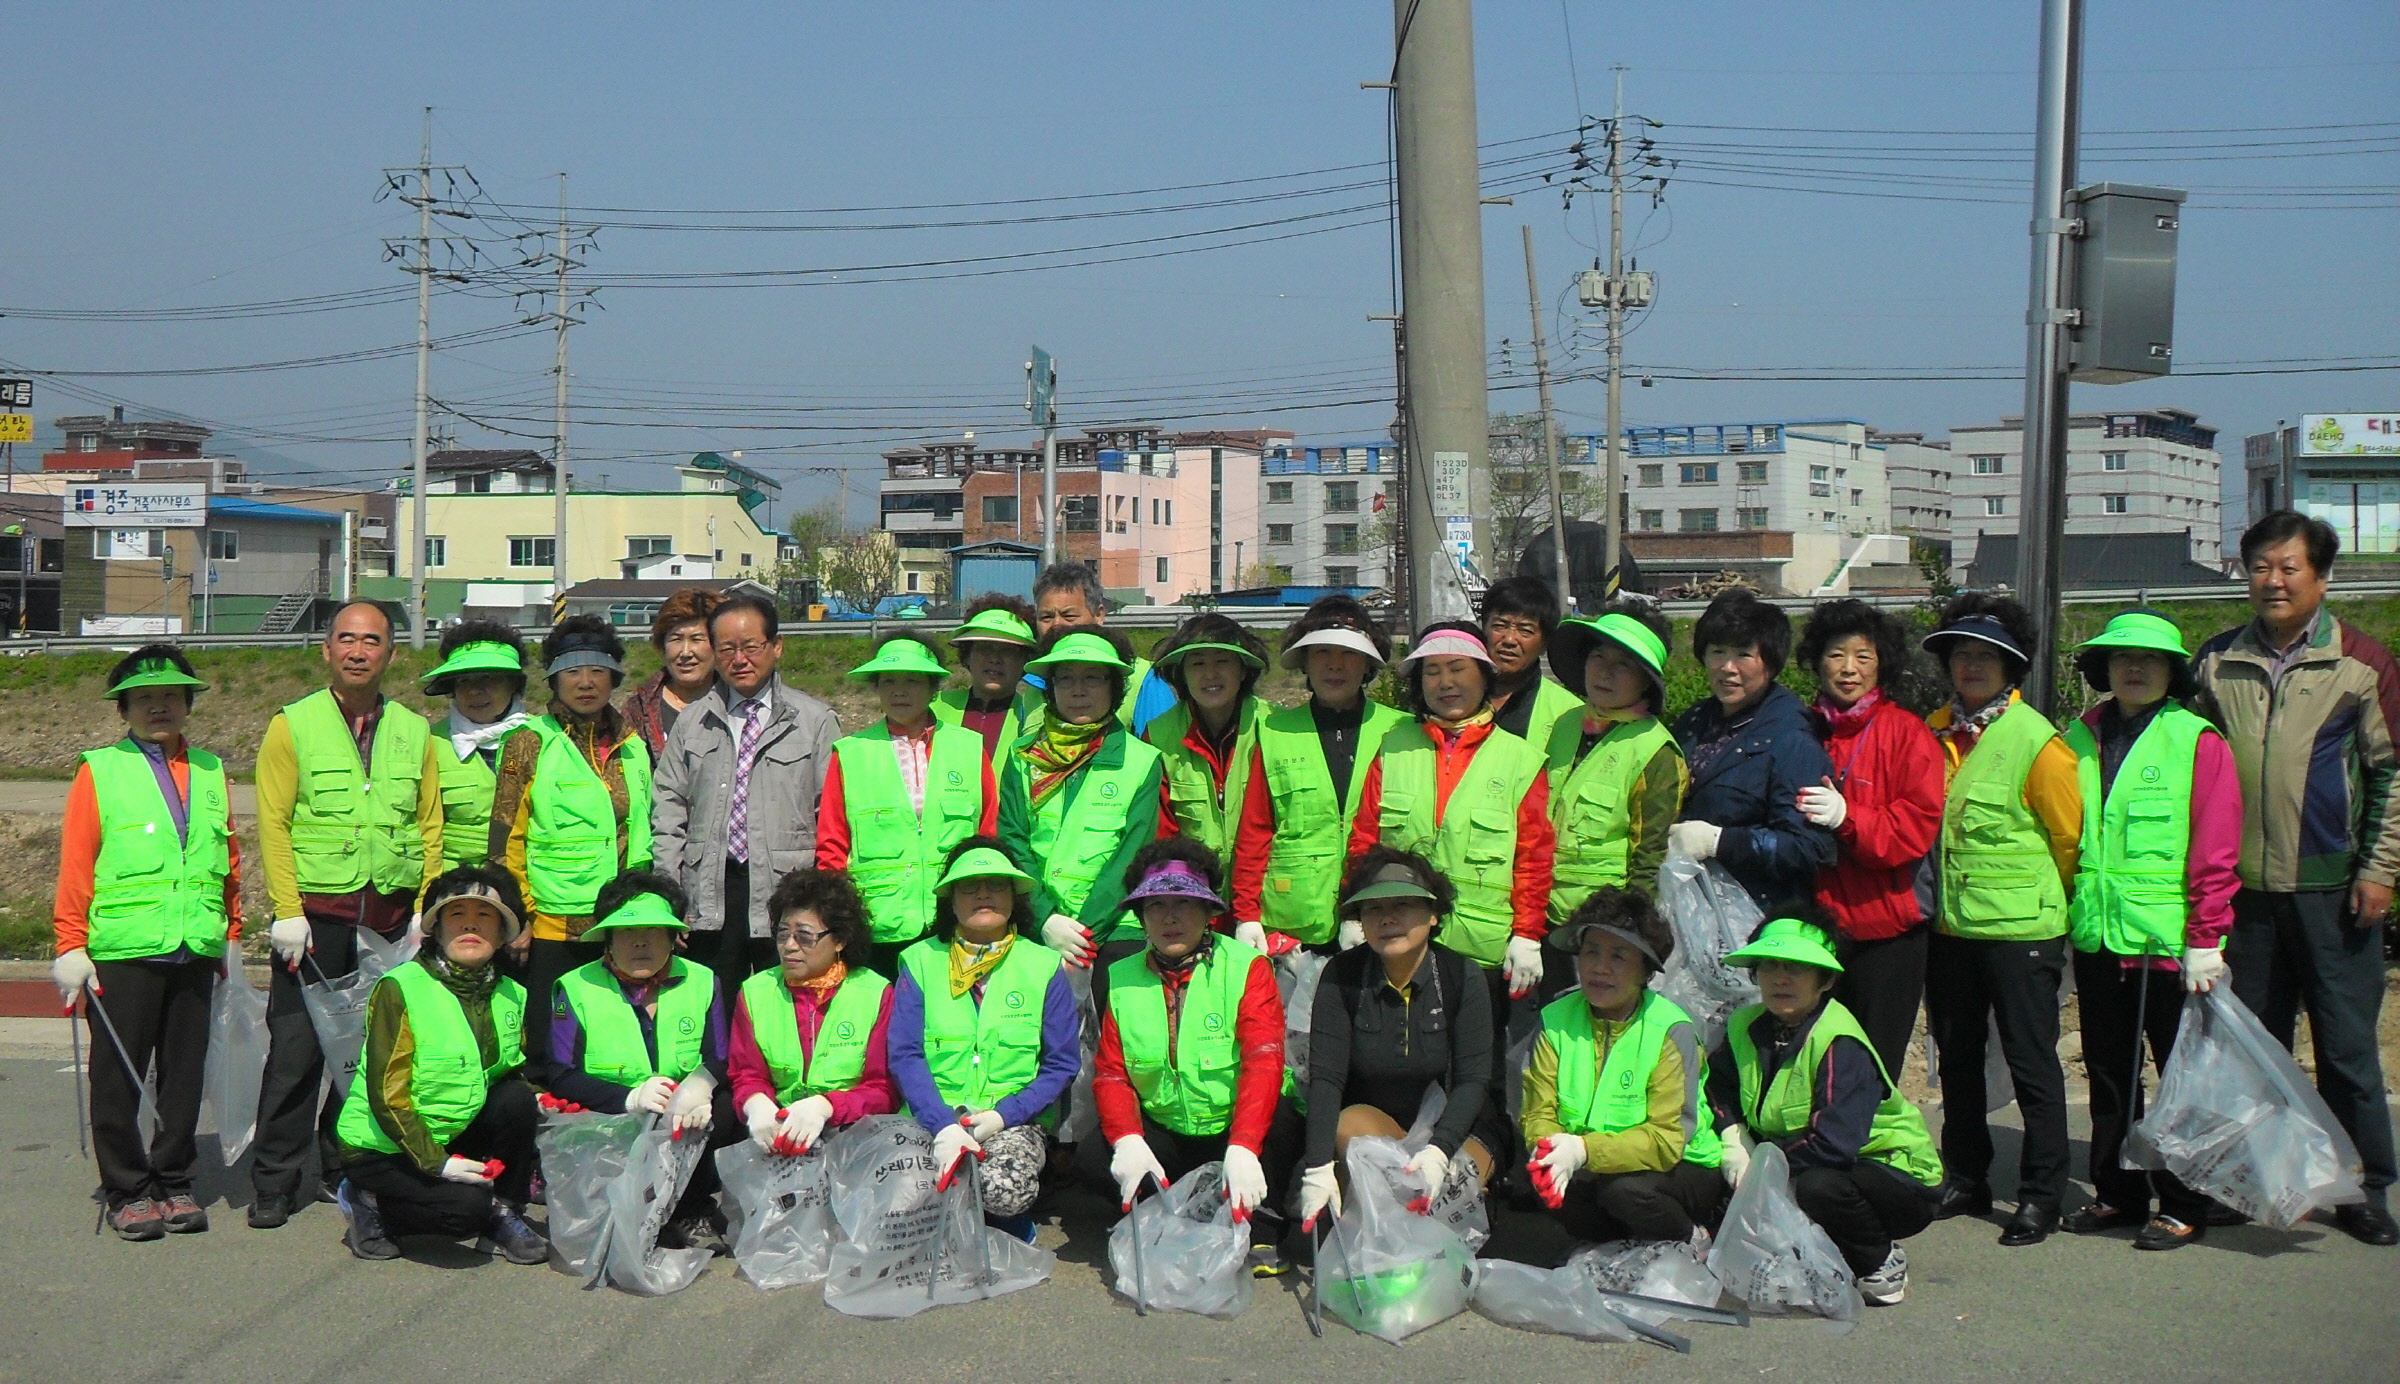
x=703, y=902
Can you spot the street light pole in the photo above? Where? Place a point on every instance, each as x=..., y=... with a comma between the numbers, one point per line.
x=2049, y=317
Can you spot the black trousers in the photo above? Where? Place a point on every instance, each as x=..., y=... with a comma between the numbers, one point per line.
x=1109, y=954
x=289, y=1095
x=1643, y=1206
x=731, y=951
x=416, y=1202
x=2290, y=951
x=1279, y=1155
x=725, y=1126
x=883, y=958
x=1882, y=983
x=1969, y=984
x=1863, y=1208
x=545, y=962
x=160, y=1010
x=2109, y=1002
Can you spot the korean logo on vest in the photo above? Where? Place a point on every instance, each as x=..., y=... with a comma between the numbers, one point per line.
x=1213, y=1023
x=1016, y=999
x=1108, y=789
x=845, y=1030
x=687, y=1025
x=957, y=779
x=2149, y=773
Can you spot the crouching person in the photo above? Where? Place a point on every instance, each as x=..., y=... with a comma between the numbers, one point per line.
x=1621, y=1147
x=811, y=1036
x=1798, y=1071
x=436, y=1135
x=643, y=1031
x=1190, y=1068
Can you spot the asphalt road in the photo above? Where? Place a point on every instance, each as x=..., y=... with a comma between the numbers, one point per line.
x=291, y=1304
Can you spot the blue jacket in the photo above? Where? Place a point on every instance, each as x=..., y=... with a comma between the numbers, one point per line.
x=1747, y=779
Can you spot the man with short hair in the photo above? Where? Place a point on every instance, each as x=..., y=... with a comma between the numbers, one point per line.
x=349, y=828
x=734, y=797
x=1069, y=593
x=1520, y=614
x=2310, y=707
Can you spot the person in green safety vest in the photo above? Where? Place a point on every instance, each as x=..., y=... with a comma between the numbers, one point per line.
x=1190, y=1069
x=986, y=1038
x=1621, y=1145
x=1520, y=616
x=900, y=794
x=436, y=1135
x=992, y=647
x=2153, y=901
x=811, y=1035
x=1210, y=735
x=570, y=805
x=148, y=918
x=482, y=672
x=643, y=1031
x=1616, y=774
x=1796, y=1070
x=1453, y=786
x=1304, y=781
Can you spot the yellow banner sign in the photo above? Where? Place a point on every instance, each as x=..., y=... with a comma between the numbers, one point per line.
x=16, y=427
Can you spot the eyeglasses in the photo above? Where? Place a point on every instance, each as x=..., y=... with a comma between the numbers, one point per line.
x=802, y=940
x=752, y=650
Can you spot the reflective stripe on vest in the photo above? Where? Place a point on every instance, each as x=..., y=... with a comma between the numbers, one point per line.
x=1077, y=829
x=896, y=855
x=1897, y=1138
x=447, y=1080
x=351, y=827
x=466, y=805
x=1609, y=1098
x=1184, y=1069
x=1591, y=805
x=613, y=1049
x=571, y=830
x=2130, y=893
x=1475, y=843
x=1312, y=823
x=981, y=1053
x=153, y=894
x=840, y=1058
x=1999, y=881
x=1201, y=811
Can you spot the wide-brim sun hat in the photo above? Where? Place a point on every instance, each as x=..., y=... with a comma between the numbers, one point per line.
x=900, y=656
x=1984, y=629
x=982, y=863
x=510, y=923
x=1568, y=937
x=1174, y=879
x=1081, y=647
x=1448, y=643
x=583, y=649
x=1295, y=658
x=1572, y=646
x=2137, y=629
x=483, y=656
x=154, y=672
x=1393, y=881
x=994, y=626
x=642, y=910
x=1176, y=655
x=1788, y=939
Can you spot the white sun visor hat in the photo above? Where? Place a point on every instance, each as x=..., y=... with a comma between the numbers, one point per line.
x=1296, y=657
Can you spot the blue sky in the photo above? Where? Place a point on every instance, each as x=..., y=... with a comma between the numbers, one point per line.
x=181, y=156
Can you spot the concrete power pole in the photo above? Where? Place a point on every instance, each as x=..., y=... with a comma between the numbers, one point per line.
x=1041, y=401
x=2041, y=520
x=1541, y=378
x=424, y=272
x=1612, y=545
x=558, y=461
x=1445, y=464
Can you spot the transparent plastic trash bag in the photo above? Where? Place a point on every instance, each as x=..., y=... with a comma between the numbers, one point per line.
x=1712, y=916
x=1772, y=1256
x=2237, y=1119
x=337, y=1006
x=1387, y=1271
x=581, y=1156
x=906, y=1246
x=1560, y=1300
x=611, y=1184
x=1669, y=1270
x=1457, y=1203
x=237, y=1060
x=1079, y=1115
x=780, y=1214
x=1296, y=975
x=1192, y=1257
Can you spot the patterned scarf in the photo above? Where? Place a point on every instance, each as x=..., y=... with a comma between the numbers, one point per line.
x=471, y=987
x=825, y=982
x=1481, y=716
x=971, y=962
x=1838, y=722
x=1060, y=752
x=1970, y=724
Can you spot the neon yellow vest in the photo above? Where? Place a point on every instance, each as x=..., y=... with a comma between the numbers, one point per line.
x=571, y=834
x=896, y=855
x=352, y=828
x=612, y=1033
x=447, y=1081
x=1185, y=1075
x=1897, y=1139
x=1474, y=844
x=840, y=1058
x=1590, y=805
x=1205, y=815
x=2130, y=893
x=1303, y=878
x=1076, y=830
x=979, y=1054
x=1612, y=1097
x=153, y=894
x=466, y=805
x=1999, y=881
x=1024, y=713
x=1552, y=703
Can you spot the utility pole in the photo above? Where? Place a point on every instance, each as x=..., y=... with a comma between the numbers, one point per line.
x=1613, y=484
x=2049, y=316
x=1447, y=414
x=424, y=271
x=558, y=463
x=1541, y=378
x=1041, y=400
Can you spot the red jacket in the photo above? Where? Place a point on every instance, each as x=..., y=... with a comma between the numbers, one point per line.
x=1258, y=1044
x=1888, y=768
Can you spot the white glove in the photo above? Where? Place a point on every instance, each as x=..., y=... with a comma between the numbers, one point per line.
x=1245, y=1181
x=1561, y=1156
x=1251, y=935
x=1069, y=939
x=1350, y=934
x=468, y=1171
x=1695, y=839
x=1736, y=1162
x=1129, y=1161
x=951, y=1143
x=289, y=939
x=2203, y=969
x=803, y=1124
x=1523, y=963
x=764, y=1120
x=983, y=1124
x=694, y=1103
x=1824, y=806
x=1432, y=1165
x=650, y=1097
x=71, y=972
x=1318, y=1190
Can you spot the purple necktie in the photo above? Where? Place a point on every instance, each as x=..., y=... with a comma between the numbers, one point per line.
x=737, y=816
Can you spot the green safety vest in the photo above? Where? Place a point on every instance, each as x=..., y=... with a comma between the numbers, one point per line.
x=447, y=1081
x=612, y=1033
x=1591, y=805
x=1552, y=703
x=1897, y=1139
x=896, y=854
x=153, y=894
x=1206, y=815
x=841, y=1049
x=1024, y=713
x=571, y=834
x=2130, y=893
x=1474, y=841
x=1185, y=1069
x=979, y=1054
x=1076, y=830
x=1999, y=882
x=466, y=806
x=1303, y=880
x=1612, y=1096
x=352, y=828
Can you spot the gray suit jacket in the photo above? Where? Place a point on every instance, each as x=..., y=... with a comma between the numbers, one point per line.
x=694, y=791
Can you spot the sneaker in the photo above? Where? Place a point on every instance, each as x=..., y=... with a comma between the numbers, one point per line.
x=137, y=1220
x=365, y=1236
x=1266, y=1261
x=512, y=1239
x=1019, y=1226
x=2098, y=1217
x=692, y=1232
x=2166, y=1232
x=183, y=1215
x=1963, y=1199
x=269, y=1210
x=1889, y=1283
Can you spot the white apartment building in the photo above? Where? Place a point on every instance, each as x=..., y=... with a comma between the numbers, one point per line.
x=1918, y=472
x=2145, y=471
x=1324, y=513
x=1798, y=476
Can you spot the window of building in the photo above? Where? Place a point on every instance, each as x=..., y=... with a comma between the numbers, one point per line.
x=1987, y=466
x=1279, y=492
x=480, y=484
x=1341, y=497
x=87, y=442
x=1654, y=519
x=1079, y=513
x=1279, y=533
x=1697, y=473
x=1751, y=517
x=437, y=550
x=1341, y=539
x=126, y=545
x=999, y=509
x=1341, y=576
x=1162, y=571
x=1654, y=475
x=746, y=560
x=1696, y=520
x=1170, y=513
x=2112, y=461
x=652, y=545
x=224, y=545
x=533, y=552
x=1751, y=472
x=1991, y=505
x=2112, y=504
x=717, y=555
x=911, y=582
x=633, y=613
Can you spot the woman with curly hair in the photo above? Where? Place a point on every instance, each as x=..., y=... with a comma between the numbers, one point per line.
x=688, y=667
x=811, y=1035
x=482, y=672
x=1211, y=733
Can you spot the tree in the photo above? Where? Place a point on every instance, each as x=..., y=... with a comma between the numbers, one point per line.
x=1263, y=573
x=860, y=568
x=1521, y=488
x=812, y=529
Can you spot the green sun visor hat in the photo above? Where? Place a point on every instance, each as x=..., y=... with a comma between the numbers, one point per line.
x=1175, y=656
x=900, y=656
x=1788, y=939
x=155, y=672
x=642, y=910
x=994, y=626
x=481, y=657
x=2136, y=629
x=1081, y=648
x=1572, y=645
x=1394, y=881
x=982, y=863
